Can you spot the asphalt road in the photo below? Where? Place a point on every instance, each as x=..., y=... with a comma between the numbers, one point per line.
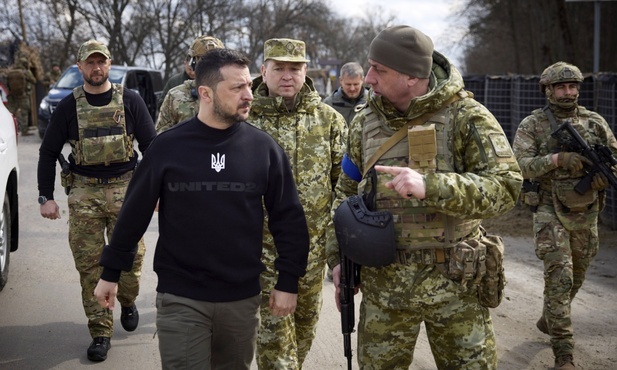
x=42, y=325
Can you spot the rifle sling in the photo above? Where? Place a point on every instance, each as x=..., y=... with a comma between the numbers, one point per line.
x=551, y=120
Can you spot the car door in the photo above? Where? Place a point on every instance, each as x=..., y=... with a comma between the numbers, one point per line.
x=141, y=82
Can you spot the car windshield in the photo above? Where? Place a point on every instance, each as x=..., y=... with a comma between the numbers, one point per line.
x=73, y=78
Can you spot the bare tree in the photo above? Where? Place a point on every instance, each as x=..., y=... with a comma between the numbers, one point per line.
x=58, y=25
x=116, y=21
x=524, y=36
x=266, y=19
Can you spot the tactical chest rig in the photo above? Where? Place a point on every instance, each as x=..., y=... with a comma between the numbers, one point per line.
x=422, y=233
x=103, y=138
x=575, y=211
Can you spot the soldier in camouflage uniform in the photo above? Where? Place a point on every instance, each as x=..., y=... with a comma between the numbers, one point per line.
x=100, y=120
x=19, y=99
x=565, y=222
x=182, y=101
x=52, y=76
x=287, y=106
x=438, y=182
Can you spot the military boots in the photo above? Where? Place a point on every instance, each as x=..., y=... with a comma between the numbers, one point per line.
x=565, y=362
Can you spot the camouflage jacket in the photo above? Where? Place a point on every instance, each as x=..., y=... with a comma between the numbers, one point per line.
x=312, y=134
x=51, y=78
x=180, y=104
x=486, y=180
x=534, y=147
x=175, y=80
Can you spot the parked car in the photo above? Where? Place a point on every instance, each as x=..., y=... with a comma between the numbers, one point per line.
x=9, y=182
x=147, y=82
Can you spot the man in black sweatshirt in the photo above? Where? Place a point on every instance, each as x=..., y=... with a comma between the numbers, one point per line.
x=212, y=177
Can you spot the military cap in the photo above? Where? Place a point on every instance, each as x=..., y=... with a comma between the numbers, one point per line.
x=202, y=44
x=92, y=47
x=285, y=50
x=404, y=49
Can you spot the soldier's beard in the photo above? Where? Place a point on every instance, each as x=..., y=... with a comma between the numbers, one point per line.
x=92, y=82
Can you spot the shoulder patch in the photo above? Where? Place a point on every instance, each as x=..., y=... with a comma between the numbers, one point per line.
x=501, y=146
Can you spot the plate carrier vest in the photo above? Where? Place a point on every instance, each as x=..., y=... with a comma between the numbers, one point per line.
x=416, y=225
x=103, y=138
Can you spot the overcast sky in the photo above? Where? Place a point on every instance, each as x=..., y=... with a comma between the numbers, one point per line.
x=433, y=17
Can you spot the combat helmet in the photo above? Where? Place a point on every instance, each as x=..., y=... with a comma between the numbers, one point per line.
x=559, y=72
x=202, y=44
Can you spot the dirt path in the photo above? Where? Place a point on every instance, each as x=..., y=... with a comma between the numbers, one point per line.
x=520, y=345
x=594, y=310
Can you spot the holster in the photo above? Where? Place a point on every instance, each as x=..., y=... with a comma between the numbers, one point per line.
x=66, y=179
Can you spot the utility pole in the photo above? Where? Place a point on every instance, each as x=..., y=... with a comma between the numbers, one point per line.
x=21, y=21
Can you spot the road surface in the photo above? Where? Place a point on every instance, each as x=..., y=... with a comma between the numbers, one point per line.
x=42, y=325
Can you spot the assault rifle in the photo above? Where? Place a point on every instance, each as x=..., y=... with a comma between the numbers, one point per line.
x=64, y=165
x=600, y=155
x=350, y=278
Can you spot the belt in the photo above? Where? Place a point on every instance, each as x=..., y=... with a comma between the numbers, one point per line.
x=102, y=180
x=428, y=256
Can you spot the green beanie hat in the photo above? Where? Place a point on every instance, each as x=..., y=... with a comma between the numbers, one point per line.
x=404, y=49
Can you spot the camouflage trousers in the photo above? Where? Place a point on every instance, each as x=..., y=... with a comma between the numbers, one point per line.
x=93, y=211
x=284, y=342
x=566, y=255
x=396, y=299
x=20, y=107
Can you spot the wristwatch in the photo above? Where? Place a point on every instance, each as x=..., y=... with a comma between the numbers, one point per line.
x=42, y=199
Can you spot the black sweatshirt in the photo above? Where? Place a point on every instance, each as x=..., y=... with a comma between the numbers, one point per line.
x=63, y=127
x=212, y=185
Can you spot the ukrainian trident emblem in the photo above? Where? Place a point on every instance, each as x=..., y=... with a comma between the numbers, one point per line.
x=218, y=162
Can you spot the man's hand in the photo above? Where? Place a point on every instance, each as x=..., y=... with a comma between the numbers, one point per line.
x=50, y=210
x=282, y=303
x=336, y=279
x=599, y=182
x=571, y=161
x=105, y=293
x=407, y=182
